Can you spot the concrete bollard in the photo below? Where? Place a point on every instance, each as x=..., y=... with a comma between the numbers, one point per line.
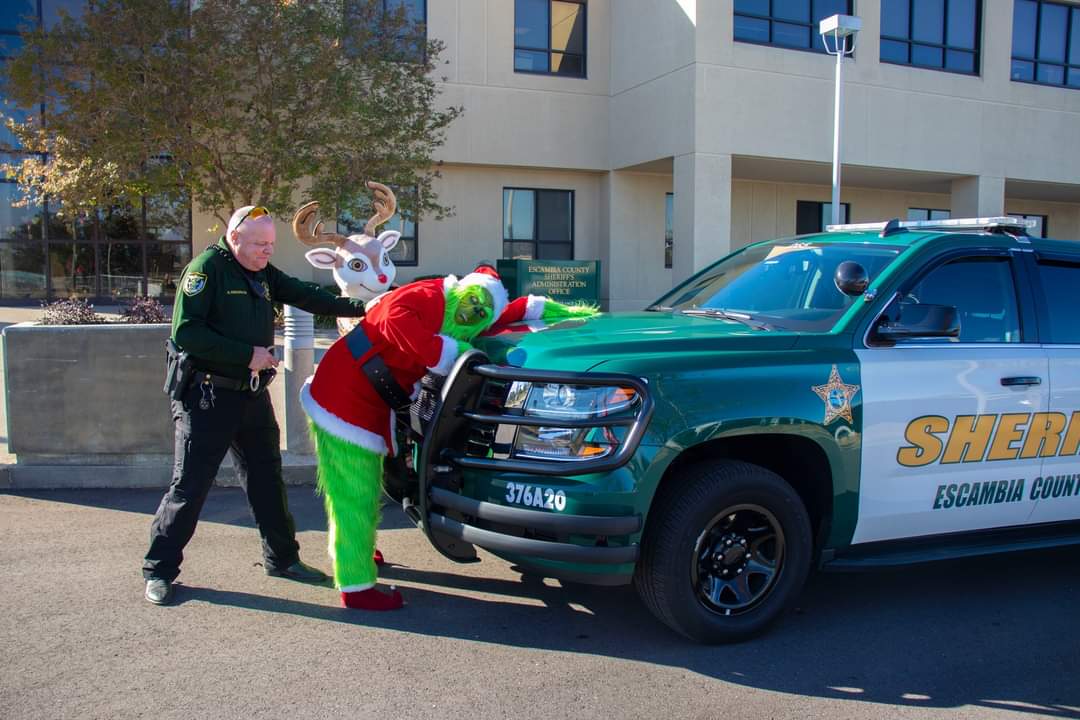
x=299, y=365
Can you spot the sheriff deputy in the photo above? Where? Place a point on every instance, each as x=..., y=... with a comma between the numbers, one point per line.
x=223, y=320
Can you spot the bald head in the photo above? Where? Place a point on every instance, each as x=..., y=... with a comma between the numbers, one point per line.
x=251, y=238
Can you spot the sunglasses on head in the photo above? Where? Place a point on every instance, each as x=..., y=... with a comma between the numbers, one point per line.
x=256, y=212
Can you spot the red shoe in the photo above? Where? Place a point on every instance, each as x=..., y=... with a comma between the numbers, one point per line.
x=372, y=599
x=379, y=558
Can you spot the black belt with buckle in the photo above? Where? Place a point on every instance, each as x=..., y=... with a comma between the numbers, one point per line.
x=222, y=382
x=376, y=370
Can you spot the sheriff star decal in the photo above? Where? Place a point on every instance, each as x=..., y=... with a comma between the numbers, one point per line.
x=194, y=283
x=837, y=397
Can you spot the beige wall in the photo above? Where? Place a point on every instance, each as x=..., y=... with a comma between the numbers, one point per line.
x=770, y=102
x=764, y=210
x=517, y=118
x=633, y=254
x=670, y=99
x=474, y=233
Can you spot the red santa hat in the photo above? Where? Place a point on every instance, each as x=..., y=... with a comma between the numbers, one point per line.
x=486, y=277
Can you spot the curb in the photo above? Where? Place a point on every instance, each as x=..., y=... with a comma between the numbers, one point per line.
x=296, y=470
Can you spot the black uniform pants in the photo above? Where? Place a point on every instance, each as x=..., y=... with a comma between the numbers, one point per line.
x=243, y=424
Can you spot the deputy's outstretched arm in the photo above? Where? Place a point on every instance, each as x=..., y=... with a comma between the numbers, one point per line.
x=310, y=297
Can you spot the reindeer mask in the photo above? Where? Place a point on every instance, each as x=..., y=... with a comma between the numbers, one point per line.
x=361, y=263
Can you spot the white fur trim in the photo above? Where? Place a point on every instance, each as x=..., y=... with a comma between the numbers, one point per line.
x=492, y=285
x=356, y=588
x=534, y=307
x=447, y=357
x=374, y=301
x=337, y=427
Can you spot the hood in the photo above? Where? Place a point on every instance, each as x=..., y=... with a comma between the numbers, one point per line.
x=578, y=345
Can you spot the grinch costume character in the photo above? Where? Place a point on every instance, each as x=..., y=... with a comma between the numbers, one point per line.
x=419, y=328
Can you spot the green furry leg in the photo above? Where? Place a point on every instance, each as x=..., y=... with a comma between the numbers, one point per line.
x=350, y=480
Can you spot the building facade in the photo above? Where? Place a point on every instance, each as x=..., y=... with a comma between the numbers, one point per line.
x=659, y=135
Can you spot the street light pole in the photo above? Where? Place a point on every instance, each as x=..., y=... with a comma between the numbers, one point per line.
x=840, y=27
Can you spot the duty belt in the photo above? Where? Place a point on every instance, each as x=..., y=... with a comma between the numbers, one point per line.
x=376, y=370
x=222, y=382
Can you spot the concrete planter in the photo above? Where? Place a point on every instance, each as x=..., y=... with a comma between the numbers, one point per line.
x=85, y=408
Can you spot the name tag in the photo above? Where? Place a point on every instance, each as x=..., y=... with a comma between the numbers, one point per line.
x=236, y=292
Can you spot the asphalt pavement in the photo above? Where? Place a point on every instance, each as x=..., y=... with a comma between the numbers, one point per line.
x=985, y=638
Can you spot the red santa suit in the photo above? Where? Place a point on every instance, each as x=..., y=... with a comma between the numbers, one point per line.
x=403, y=327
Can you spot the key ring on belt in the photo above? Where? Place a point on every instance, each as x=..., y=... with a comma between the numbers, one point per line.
x=253, y=383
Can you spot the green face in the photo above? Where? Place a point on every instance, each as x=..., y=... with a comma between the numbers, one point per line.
x=475, y=307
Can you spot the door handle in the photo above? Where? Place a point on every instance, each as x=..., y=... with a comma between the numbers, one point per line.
x=1021, y=380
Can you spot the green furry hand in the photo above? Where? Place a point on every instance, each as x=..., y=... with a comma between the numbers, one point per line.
x=557, y=311
x=463, y=347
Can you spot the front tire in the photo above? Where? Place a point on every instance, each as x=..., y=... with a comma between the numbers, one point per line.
x=725, y=552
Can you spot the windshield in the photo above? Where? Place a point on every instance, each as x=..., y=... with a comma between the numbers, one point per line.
x=786, y=284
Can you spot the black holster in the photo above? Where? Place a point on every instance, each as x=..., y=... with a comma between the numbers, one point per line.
x=179, y=370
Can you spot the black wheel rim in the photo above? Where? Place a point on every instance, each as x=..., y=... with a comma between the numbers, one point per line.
x=737, y=559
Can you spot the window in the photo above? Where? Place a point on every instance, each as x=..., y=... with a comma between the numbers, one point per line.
x=407, y=251
x=786, y=284
x=981, y=289
x=786, y=23
x=538, y=224
x=407, y=43
x=669, y=227
x=410, y=41
x=924, y=214
x=939, y=34
x=1039, y=230
x=1060, y=283
x=812, y=217
x=1046, y=43
x=120, y=252
x=549, y=37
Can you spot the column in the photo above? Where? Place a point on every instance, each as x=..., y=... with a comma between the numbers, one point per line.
x=702, y=232
x=978, y=196
x=633, y=259
x=299, y=363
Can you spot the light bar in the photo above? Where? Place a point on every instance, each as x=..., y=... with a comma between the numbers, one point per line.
x=957, y=224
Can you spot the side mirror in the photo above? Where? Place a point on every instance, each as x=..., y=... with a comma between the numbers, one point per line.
x=920, y=320
x=851, y=278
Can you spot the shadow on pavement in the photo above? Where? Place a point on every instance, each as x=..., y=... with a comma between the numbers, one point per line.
x=990, y=633
x=225, y=505
x=997, y=632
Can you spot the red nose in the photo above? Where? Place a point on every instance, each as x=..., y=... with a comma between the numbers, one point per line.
x=382, y=278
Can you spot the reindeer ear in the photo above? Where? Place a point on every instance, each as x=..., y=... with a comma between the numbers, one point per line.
x=389, y=239
x=322, y=258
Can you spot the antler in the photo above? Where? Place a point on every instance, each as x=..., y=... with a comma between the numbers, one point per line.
x=385, y=206
x=302, y=228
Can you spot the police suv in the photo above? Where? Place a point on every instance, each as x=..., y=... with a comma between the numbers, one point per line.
x=873, y=395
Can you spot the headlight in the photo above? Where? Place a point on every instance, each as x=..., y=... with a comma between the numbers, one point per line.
x=576, y=402
x=568, y=402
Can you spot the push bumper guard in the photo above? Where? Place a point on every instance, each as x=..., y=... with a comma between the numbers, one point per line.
x=450, y=520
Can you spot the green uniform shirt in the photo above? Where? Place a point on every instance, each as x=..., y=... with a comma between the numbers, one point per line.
x=222, y=311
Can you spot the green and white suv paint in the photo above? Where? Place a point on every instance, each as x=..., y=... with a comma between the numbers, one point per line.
x=861, y=397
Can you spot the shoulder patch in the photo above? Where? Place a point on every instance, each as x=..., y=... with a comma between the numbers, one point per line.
x=194, y=282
